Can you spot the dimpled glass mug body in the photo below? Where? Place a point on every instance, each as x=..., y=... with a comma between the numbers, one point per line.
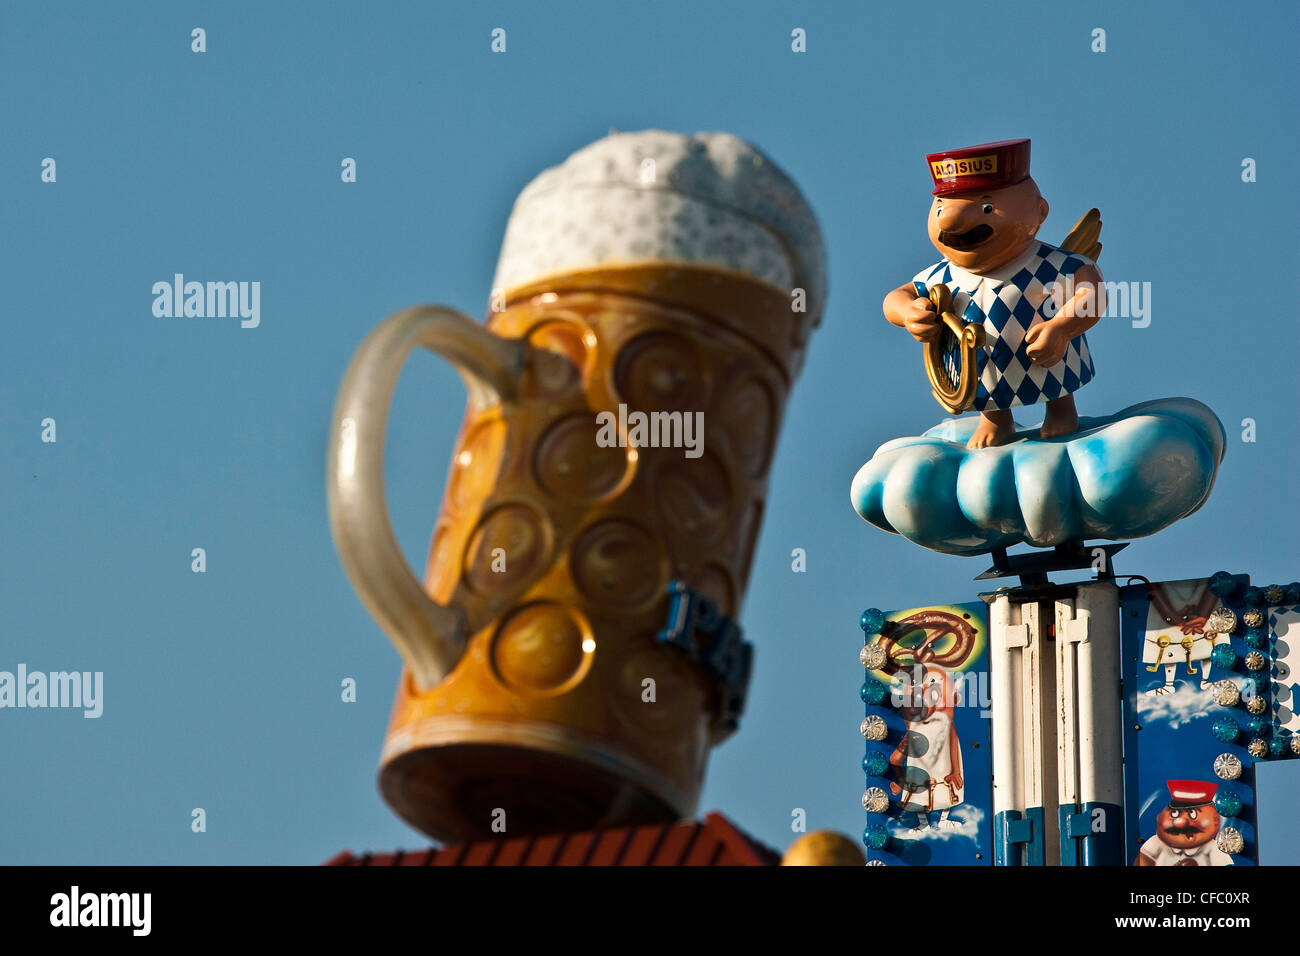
x=531, y=645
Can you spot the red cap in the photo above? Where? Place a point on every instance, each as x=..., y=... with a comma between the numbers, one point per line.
x=987, y=166
x=1190, y=793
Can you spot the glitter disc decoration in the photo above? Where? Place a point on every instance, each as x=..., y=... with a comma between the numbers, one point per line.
x=1223, y=656
x=1253, y=596
x=1225, y=693
x=874, y=728
x=1226, y=730
x=1256, y=705
x=1227, y=766
x=1255, y=661
x=1276, y=746
x=873, y=657
x=873, y=692
x=876, y=863
x=1222, y=584
x=875, y=836
x=1274, y=594
x=1253, y=618
x=876, y=763
x=1256, y=726
x=1295, y=745
x=1293, y=593
x=875, y=800
x=1256, y=639
x=1227, y=803
x=1257, y=748
x=872, y=620
x=1230, y=840
x=1221, y=621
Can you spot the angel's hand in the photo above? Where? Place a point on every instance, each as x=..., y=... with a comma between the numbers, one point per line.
x=922, y=320
x=1047, y=343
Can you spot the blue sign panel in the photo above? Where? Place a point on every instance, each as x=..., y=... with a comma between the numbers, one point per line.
x=929, y=788
x=1197, y=715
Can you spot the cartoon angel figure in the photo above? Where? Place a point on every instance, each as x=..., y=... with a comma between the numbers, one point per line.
x=927, y=762
x=1031, y=301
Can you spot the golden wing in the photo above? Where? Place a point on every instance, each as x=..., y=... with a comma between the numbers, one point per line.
x=1082, y=239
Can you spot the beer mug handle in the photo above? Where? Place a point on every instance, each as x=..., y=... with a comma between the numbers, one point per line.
x=430, y=636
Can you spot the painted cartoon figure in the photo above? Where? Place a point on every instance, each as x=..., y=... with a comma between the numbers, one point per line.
x=1183, y=627
x=984, y=220
x=1185, y=829
x=927, y=762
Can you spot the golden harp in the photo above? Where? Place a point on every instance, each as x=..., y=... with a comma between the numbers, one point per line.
x=951, y=357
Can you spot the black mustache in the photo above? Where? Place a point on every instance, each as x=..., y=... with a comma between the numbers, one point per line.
x=1184, y=830
x=965, y=240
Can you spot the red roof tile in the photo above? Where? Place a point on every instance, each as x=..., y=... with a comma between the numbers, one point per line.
x=575, y=848
x=544, y=850
x=512, y=852
x=641, y=848
x=713, y=842
x=677, y=841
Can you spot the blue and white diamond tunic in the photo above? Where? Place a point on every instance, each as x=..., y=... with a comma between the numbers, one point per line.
x=1007, y=302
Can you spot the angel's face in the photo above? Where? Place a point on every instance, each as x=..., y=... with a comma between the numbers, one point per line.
x=981, y=230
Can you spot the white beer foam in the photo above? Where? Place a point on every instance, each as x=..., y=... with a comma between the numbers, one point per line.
x=707, y=199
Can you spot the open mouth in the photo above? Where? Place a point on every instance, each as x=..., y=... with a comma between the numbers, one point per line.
x=966, y=240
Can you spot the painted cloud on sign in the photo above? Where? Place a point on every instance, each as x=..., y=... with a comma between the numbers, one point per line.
x=1181, y=707
x=1121, y=476
x=967, y=817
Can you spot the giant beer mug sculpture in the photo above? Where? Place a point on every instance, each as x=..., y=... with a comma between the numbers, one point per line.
x=653, y=273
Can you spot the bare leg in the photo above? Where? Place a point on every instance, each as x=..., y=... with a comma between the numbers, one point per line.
x=1062, y=417
x=996, y=427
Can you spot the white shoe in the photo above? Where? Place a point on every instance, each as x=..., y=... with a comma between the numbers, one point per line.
x=1161, y=691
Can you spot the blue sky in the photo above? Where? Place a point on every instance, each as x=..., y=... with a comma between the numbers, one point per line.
x=222, y=689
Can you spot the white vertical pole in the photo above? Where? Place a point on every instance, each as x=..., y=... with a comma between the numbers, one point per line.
x=1068, y=690
x=1040, y=667
x=1005, y=639
x=1088, y=634
x=1031, y=728
x=1072, y=726
x=1022, y=766
x=1102, y=756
